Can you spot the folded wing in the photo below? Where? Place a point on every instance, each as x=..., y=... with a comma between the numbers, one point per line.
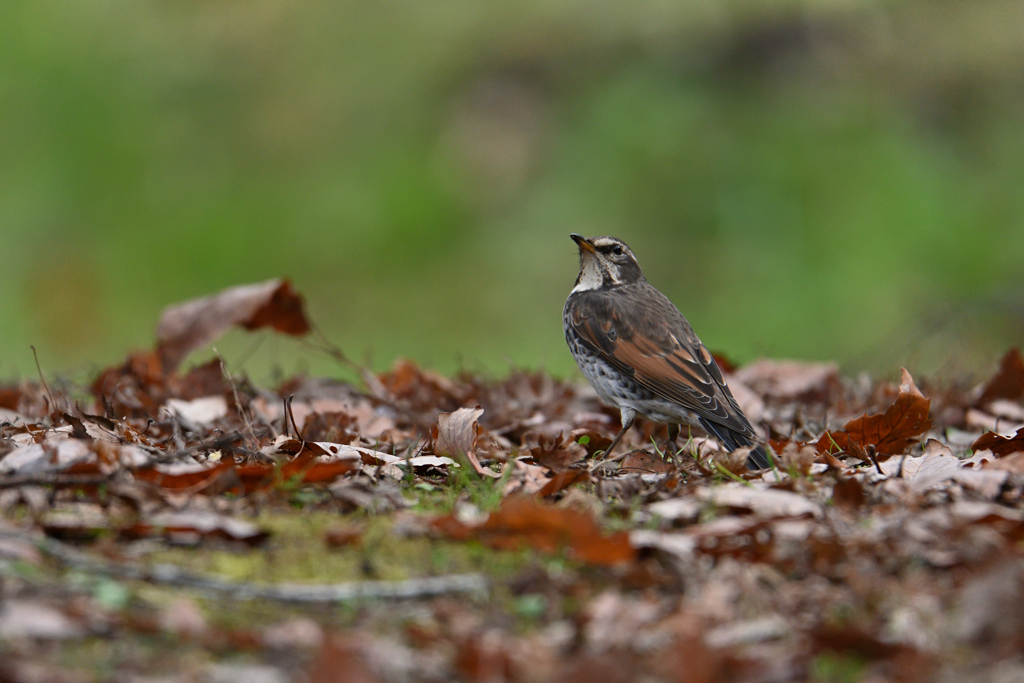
x=660, y=351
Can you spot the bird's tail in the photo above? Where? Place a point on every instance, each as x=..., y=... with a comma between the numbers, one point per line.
x=758, y=459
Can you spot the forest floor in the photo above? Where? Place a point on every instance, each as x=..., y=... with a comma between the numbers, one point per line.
x=164, y=525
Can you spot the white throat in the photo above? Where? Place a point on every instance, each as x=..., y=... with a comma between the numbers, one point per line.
x=592, y=277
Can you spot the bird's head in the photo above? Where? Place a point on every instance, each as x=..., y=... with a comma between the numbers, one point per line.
x=605, y=262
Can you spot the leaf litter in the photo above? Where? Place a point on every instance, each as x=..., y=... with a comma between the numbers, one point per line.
x=415, y=527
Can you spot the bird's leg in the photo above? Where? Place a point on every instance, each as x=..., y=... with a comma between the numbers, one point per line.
x=671, y=446
x=628, y=416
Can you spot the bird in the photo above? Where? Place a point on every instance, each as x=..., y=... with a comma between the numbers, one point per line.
x=642, y=356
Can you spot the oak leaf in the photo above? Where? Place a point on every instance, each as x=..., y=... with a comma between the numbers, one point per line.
x=890, y=433
x=1000, y=446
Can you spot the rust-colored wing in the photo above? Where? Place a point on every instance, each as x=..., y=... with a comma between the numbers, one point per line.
x=641, y=333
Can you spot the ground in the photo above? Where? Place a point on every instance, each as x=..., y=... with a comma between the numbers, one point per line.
x=169, y=525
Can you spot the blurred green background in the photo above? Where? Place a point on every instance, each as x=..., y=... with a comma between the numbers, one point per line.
x=827, y=179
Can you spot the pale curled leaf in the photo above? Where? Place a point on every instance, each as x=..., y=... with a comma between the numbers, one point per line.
x=188, y=326
x=907, y=385
x=200, y=411
x=763, y=503
x=30, y=619
x=922, y=472
x=460, y=436
x=457, y=431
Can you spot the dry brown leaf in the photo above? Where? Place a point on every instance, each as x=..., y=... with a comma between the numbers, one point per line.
x=890, y=433
x=341, y=661
x=10, y=398
x=557, y=453
x=563, y=480
x=1008, y=382
x=646, y=463
x=459, y=435
x=523, y=521
x=457, y=432
x=1000, y=445
x=188, y=326
x=786, y=379
x=848, y=493
x=228, y=476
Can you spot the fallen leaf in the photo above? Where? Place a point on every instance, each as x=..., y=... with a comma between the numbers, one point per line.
x=226, y=476
x=460, y=436
x=53, y=455
x=763, y=503
x=136, y=388
x=526, y=478
x=987, y=482
x=1008, y=382
x=891, y=433
x=1001, y=446
x=848, y=493
x=340, y=661
x=591, y=440
x=484, y=658
x=979, y=419
x=1009, y=410
x=671, y=509
x=427, y=461
x=195, y=480
x=563, y=480
x=1013, y=463
x=642, y=461
x=30, y=619
x=200, y=411
x=558, y=453
x=522, y=521
x=190, y=528
x=10, y=398
x=678, y=545
x=922, y=472
x=787, y=379
x=188, y=326
x=302, y=469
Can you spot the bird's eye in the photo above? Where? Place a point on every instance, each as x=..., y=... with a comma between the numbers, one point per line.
x=617, y=250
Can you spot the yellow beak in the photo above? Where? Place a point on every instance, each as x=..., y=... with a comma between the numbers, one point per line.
x=582, y=242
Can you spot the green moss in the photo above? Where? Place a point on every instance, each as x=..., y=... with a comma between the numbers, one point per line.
x=830, y=667
x=296, y=551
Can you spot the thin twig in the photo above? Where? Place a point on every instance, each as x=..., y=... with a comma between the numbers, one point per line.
x=283, y=592
x=870, y=451
x=53, y=404
x=238, y=401
x=215, y=444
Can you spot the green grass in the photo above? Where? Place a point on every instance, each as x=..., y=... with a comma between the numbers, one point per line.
x=296, y=551
x=865, y=207
x=833, y=668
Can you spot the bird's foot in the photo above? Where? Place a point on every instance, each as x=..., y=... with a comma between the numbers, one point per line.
x=670, y=450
